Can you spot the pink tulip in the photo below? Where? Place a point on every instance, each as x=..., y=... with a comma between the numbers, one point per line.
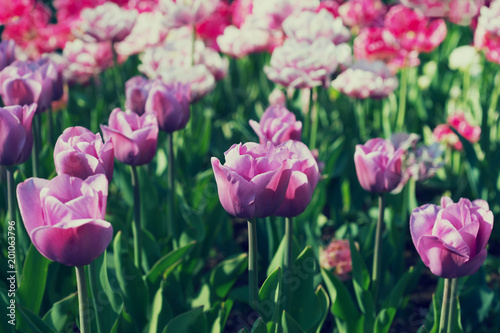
x=64, y=217
x=136, y=93
x=362, y=13
x=170, y=103
x=80, y=153
x=16, y=137
x=180, y=13
x=337, y=256
x=462, y=12
x=303, y=180
x=378, y=165
x=277, y=125
x=213, y=26
x=9, y=10
x=451, y=239
x=253, y=180
x=7, y=53
x=457, y=120
x=487, y=35
x=134, y=137
x=107, y=22
x=366, y=79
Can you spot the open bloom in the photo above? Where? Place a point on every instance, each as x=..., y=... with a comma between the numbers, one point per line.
x=80, y=153
x=337, y=256
x=253, y=180
x=134, y=137
x=64, y=217
x=451, y=239
x=16, y=138
x=378, y=165
x=179, y=13
x=362, y=13
x=487, y=34
x=366, y=79
x=170, y=103
x=136, y=93
x=303, y=180
x=277, y=125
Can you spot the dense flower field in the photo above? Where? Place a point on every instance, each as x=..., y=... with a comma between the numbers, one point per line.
x=249, y=166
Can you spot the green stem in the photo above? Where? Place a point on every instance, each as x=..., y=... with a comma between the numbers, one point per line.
x=11, y=194
x=451, y=311
x=252, y=265
x=117, y=76
x=378, y=248
x=360, y=117
x=36, y=144
x=93, y=290
x=306, y=113
x=172, y=227
x=445, y=306
x=288, y=261
x=193, y=45
x=83, y=299
x=50, y=127
x=492, y=115
x=136, y=226
x=313, y=111
x=402, y=99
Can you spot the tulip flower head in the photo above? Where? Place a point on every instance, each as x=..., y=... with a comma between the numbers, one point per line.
x=16, y=137
x=7, y=53
x=337, y=256
x=487, y=34
x=80, y=153
x=64, y=217
x=254, y=179
x=451, y=239
x=134, y=137
x=277, y=125
x=378, y=165
x=136, y=92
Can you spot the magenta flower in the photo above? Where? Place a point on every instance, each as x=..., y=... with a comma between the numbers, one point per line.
x=180, y=13
x=64, y=217
x=16, y=137
x=80, y=153
x=170, y=103
x=487, y=35
x=253, y=180
x=107, y=22
x=213, y=26
x=430, y=8
x=136, y=93
x=462, y=12
x=378, y=165
x=362, y=13
x=443, y=132
x=337, y=256
x=366, y=79
x=303, y=180
x=134, y=137
x=451, y=239
x=277, y=125
x=7, y=53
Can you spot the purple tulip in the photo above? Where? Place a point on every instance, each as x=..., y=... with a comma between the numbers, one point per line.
x=16, y=137
x=253, y=180
x=136, y=92
x=277, y=125
x=303, y=180
x=81, y=153
x=171, y=105
x=378, y=165
x=134, y=137
x=7, y=53
x=64, y=217
x=451, y=239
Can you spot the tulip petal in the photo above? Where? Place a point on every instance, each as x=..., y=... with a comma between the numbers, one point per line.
x=441, y=261
x=451, y=238
x=126, y=150
x=12, y=138
x=100, y=184
x=76, y=164
x=270, y=190
x=298, y=195
x=422, y=220
x=73, y=243
x=28, y=197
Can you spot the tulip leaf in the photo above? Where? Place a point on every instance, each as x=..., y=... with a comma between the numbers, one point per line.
x=396, y=296
x=34, y=322
x=161, y=312
x=269, y=306
x=168, y=262
x=279, y=256
x=114, y=298
x=384, y=320
x=289, y=324
x=259, y=326
x=133, y=287
x=124, y=323
x=63, y=312
x=225, y=274
x=324, y=303
x=187, y=322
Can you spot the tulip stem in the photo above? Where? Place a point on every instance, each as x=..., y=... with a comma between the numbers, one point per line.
x=93, y=290
x=400, y=122
x=377, y=248
x=136, y=226
x=445, y=306
x=36, y=144
x=492, y=115
x=50, y=126
x=11, y=193
x=171, y=186
x=83, y=299
x=117, y=75
x=193, y=45
x=252, y=265
x=360, y=115
x=288, y=260
x=313, y=111
x=451, y=311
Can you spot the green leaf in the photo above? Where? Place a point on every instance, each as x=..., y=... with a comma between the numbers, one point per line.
x=166, y=264
x=279, y=256
x=437, y=314
x=161, y=312
x=114, y=298
x=259, y=326
x=397, y=293
x=133, y=287
x=34, y=322
x=289, y=324
x=384, y=320
x=124, y=324
x=63, y=312
x=268, y=296
x=324, y=303
x=187, y=322
x=33, y=280
x=225, y=274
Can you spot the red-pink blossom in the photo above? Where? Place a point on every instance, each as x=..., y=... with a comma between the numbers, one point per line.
x=213, y=26
x=362, y=13
x=487, y=35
